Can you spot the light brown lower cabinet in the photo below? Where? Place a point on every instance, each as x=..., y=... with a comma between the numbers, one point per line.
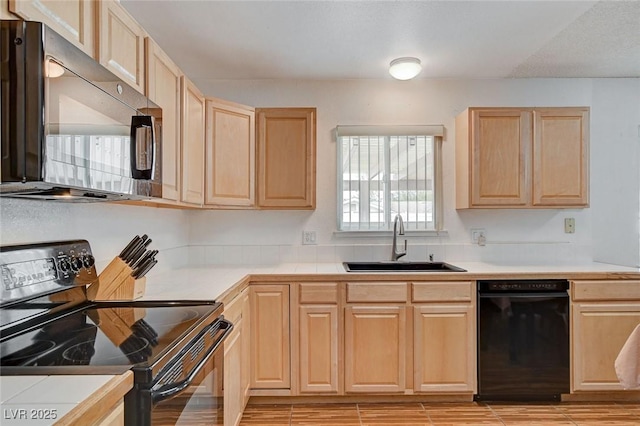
x=375, y=345
x=270, y=336
x=233, y=396
x=444, y=348
x=603, y=315
x=236, y=360
x=318, y=348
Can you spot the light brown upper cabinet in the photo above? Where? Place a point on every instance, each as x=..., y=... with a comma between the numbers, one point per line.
x=286, y=146
x=522, y=158
x=163, y=88
x=72, y=19
x=561, y=157
x=121, y=43
x=192, y=110
x=230, y=154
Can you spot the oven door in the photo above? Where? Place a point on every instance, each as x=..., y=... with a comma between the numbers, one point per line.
x=189, y=390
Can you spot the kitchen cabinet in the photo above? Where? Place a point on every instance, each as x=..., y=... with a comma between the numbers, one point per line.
x=236, y=359
x=121, y=43
x=163, y=88
x=522, y=157
x=270, y=336
x=72, y=19
x=444, y=337
x=286, y=151
x=375, y=345
x=603, y=315
x=560, y=157
x=230, y=154
x=318, y=336
x=192, y=143
x=375, y=338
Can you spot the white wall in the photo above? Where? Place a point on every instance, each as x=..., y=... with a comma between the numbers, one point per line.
x=107, y=227
x=615, y=160
x=608, y=231
x=512, y=234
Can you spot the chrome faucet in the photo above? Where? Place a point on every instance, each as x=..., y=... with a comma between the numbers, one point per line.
x=397, y=230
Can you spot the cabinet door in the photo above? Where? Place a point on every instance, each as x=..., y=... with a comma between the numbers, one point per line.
x=444, y=348
x=286, y=139
x=163, y=88
x=599, y=330
x=318, y=348
x=230, y=162
x=270, y=342
x=500, y=149
x=245, y=374
x=375, y=341
x=72, y=19
x=560, y=157
x=121, y=43
x=233, y=396
x=193, y=106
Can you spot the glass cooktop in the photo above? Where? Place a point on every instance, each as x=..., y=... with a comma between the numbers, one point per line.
x=104, y=335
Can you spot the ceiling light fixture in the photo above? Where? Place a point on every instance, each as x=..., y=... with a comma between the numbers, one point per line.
x=405, y=68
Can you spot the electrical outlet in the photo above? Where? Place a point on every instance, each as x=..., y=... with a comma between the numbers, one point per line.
x=308, y=237
x=569, y=225
x=478, y=236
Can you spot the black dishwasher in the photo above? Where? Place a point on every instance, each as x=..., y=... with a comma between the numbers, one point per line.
x=523, y=340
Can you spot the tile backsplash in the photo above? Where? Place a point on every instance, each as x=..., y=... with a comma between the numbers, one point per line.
x=497, y=253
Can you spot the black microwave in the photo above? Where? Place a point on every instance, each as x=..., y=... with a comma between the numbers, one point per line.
x=71, y=129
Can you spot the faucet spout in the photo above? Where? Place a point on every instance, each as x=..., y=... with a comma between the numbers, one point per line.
x=398, y=229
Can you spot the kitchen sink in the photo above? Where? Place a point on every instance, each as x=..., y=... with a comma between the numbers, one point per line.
x=401, y=267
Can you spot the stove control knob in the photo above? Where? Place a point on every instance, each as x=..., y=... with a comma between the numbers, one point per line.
x=88, y=261
x=65, y=265
x=76, y=264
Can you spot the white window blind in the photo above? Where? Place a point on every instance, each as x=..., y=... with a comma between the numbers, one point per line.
x=388, y=170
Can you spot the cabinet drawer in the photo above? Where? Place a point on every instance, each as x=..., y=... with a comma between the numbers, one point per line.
x=376, y=292
x=319, y=293
x=451, y=291
x=605, y=290
x=233, y=310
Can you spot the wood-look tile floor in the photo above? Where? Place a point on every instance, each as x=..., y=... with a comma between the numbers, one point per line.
x=443, y=414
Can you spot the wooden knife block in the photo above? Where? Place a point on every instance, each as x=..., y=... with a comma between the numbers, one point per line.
x=116, y=283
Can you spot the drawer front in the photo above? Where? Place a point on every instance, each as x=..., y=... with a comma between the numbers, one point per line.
x=376, y=292
x=451, y=291
x=605, y=290
x=233, y=310
x=319, y=293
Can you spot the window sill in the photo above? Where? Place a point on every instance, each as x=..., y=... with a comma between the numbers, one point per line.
x=373, y=234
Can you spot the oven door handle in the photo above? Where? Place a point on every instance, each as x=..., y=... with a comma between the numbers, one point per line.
x=172, y=389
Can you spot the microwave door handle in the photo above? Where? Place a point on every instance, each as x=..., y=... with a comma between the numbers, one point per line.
x=172, y=389
x=142, y=146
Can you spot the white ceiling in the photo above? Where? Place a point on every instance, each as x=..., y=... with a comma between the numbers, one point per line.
x=357, y=39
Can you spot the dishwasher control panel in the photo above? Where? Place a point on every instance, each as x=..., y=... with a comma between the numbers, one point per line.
x=522, y=286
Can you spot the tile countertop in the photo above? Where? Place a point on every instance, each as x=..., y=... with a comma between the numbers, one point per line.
x=212, y=282
x=45, y=400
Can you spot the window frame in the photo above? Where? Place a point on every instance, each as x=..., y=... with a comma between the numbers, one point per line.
x=435, y=131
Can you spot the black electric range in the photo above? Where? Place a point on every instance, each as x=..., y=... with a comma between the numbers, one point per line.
x=48, y=327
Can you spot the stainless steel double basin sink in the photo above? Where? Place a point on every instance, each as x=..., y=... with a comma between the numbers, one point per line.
x=400, y=266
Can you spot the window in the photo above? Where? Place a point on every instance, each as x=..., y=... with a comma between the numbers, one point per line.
x=388, y=170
